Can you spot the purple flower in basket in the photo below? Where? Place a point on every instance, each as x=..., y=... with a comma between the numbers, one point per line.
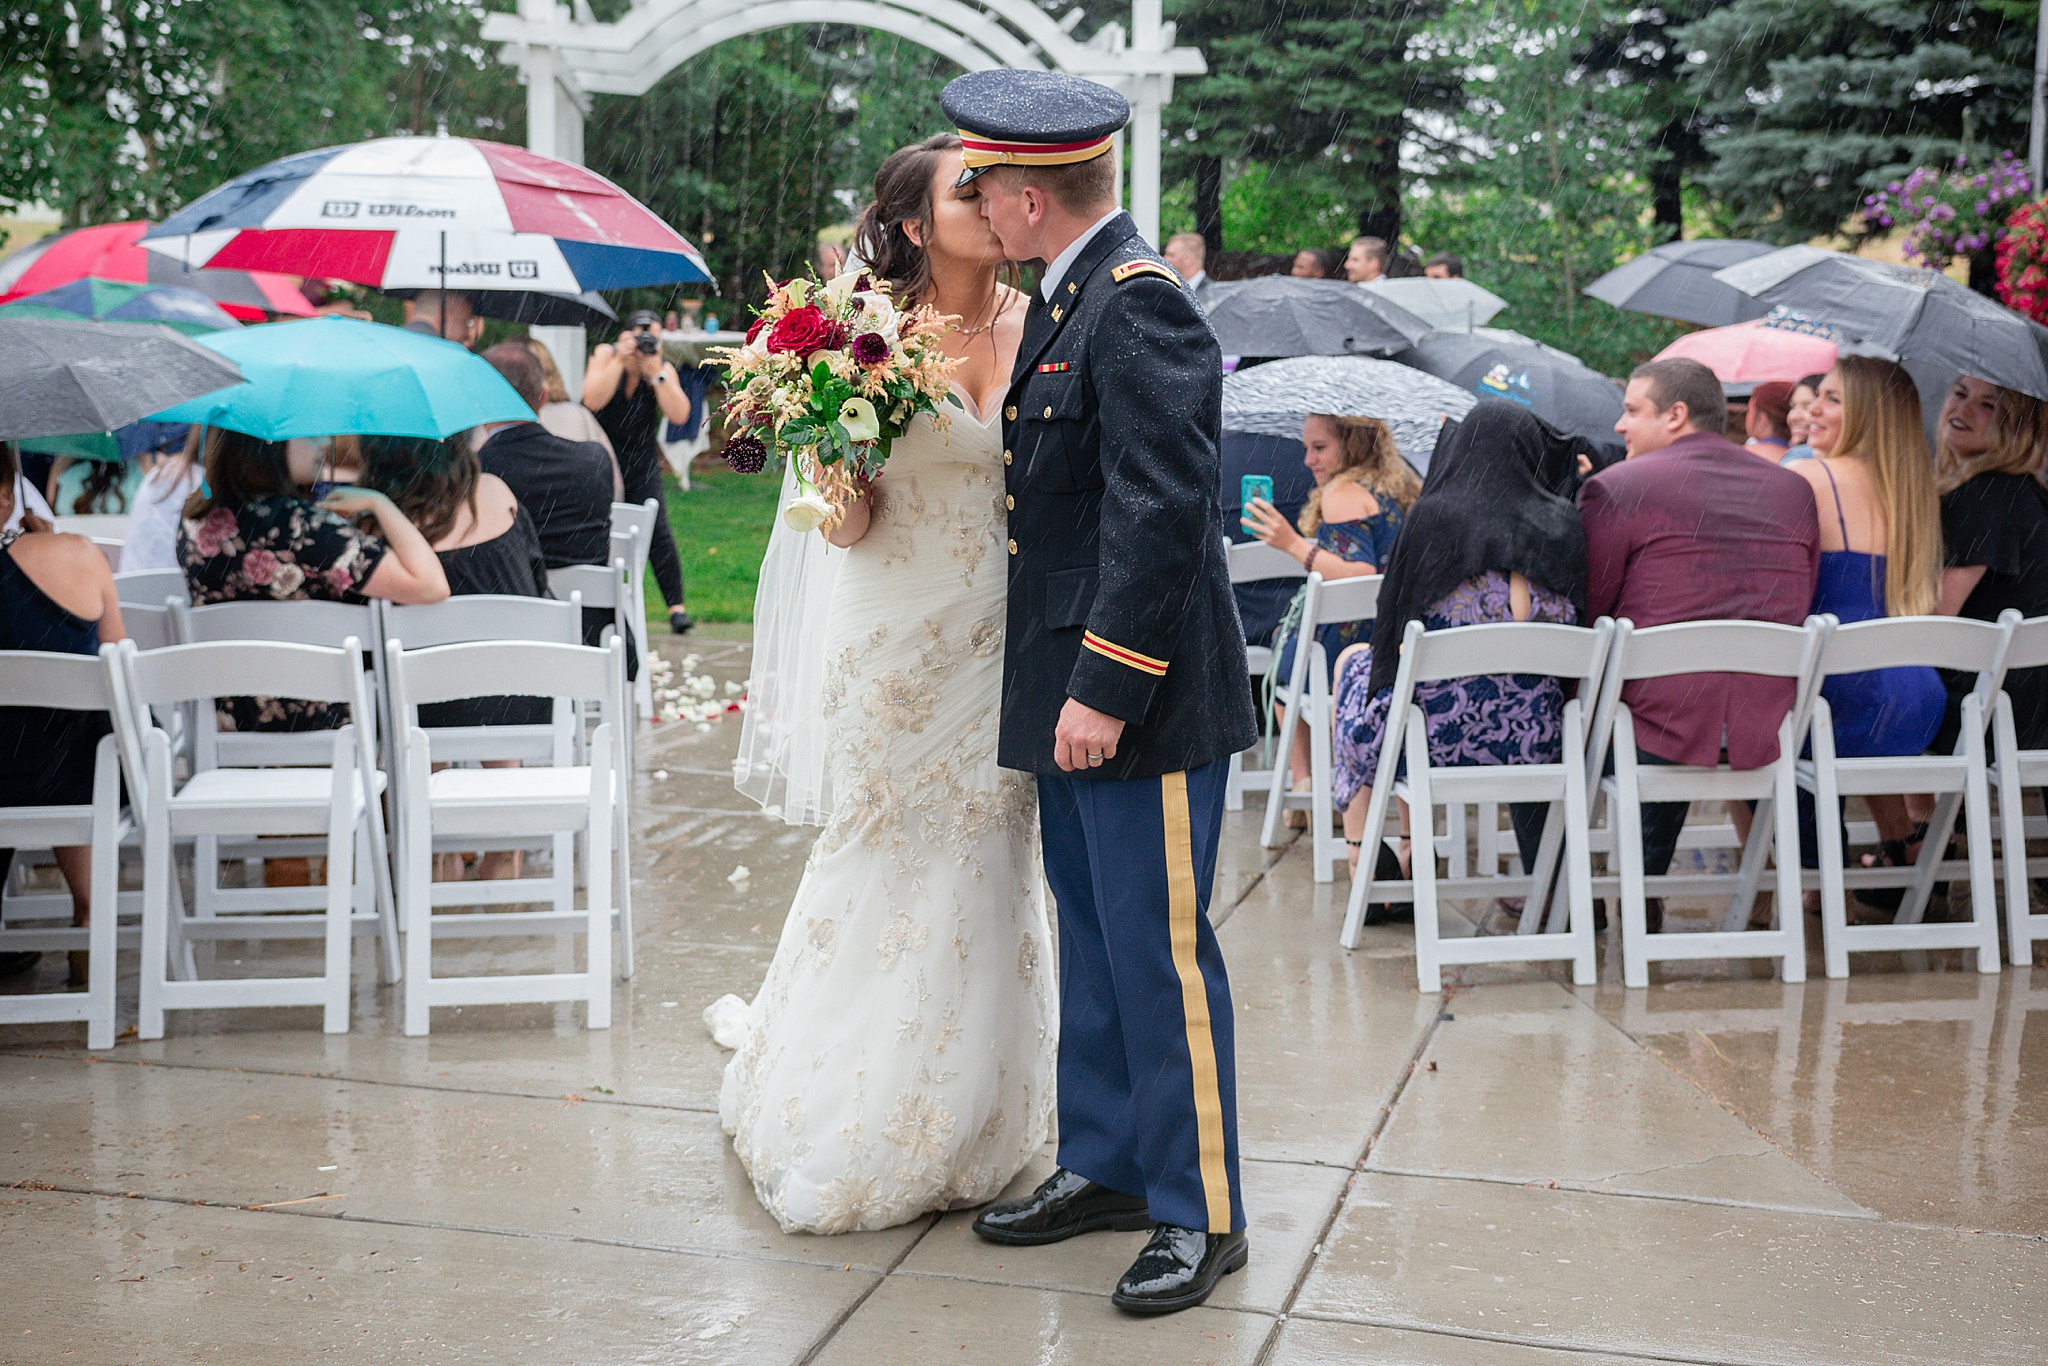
x=746, y=454
x=870, y=348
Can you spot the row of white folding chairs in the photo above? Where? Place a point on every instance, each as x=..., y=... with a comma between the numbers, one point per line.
x=1804, y=657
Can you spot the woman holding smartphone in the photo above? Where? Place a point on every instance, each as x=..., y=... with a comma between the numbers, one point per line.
x=1347, y=529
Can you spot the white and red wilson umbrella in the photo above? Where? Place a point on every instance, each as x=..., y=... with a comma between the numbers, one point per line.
x=429, y=212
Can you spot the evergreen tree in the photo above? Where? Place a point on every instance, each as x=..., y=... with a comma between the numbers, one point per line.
x=1816, y=102
x=1638, y=46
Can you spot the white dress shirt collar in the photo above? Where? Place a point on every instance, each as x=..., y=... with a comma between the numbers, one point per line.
x=1057, y=270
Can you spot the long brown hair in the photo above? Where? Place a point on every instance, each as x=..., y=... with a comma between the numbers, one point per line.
x=2019, y=442
x=1370, y=461
x=903, y=195
x=1881, y=427
x=429, y=480
x=240, y=468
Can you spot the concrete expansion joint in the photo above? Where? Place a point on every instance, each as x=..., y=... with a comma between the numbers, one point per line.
x=1603, y=1351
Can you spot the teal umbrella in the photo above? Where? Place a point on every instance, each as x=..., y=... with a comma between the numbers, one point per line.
x=330, y=375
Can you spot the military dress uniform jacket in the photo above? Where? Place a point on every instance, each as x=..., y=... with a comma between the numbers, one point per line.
x=1119, y=588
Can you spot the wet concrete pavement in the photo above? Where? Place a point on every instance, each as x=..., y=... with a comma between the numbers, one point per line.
x=1720, y=1169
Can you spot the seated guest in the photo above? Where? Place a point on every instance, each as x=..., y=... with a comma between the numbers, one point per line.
x=1494, y=537
x=1188, y=254
x=1348, y=527
x=1691, y=527
x=1993, y=444
x=1765, y=422
x=1803, y=394
x=159, y=505
x=56, y=595
x=1310, y=264
x=564, y=416
x=251, y=535
x=1262, y=602
x=93, y=487
x=1444, y=266
x=1880, y=555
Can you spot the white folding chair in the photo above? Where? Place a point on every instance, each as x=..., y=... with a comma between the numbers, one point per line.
x=227, y=799
x=499, y=801
x=1961, y=778
x=1306, y=699
x=149, y=587
x=632, y=538
x=1252, y=562
x=34, y=678
x=2013, y=771
x=1768, y=649
x=1577, y=653
x=325, y=624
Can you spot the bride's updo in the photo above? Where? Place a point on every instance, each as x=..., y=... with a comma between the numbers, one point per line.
x=903, y=194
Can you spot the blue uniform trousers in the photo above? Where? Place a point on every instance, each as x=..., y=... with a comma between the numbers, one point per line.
x=1147, y=1069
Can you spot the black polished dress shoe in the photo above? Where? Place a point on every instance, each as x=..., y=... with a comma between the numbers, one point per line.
x=679, y=621
x=1178, y=1269
x=1065, y=1203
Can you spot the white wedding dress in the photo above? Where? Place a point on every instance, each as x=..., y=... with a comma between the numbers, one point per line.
x=899, y=1057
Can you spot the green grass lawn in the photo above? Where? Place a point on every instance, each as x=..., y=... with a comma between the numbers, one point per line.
x=721, y=528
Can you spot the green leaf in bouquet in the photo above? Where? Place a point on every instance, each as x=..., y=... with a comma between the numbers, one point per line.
x=821, y=375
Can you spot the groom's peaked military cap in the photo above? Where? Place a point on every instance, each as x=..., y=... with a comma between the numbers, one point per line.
x=1031, y=118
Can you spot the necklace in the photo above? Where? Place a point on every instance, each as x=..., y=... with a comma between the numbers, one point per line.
x=970, y=333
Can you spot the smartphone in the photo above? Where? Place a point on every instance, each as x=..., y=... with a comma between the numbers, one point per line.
x=1252, y=486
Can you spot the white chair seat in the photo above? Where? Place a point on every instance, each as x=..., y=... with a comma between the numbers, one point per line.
x=259, y=801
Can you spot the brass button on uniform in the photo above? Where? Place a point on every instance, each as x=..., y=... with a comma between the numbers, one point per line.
x=1048, y=410
x=1010, y=501
x=1013, y=546
x=1011, y=412
x=1008, y=458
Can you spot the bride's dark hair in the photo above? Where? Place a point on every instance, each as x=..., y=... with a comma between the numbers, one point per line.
x=903, y=194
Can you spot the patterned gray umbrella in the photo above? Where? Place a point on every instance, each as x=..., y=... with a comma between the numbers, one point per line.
x=1677, y=280
x=59, y=377
x=1917, y=315
x=1278, y=315
x=1495, y=363
x=1274, y=398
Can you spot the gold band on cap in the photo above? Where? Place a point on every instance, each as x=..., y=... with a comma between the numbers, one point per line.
x=977, y=152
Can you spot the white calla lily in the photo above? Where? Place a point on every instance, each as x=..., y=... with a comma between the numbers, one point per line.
x=807, y=511
x=857, y=415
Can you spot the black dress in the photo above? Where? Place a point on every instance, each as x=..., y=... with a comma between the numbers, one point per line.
x=2000, y=521
x=46, y=755
x=509, y=563
x=631, y=421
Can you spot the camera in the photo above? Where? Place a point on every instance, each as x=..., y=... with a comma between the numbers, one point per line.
x=646, y=343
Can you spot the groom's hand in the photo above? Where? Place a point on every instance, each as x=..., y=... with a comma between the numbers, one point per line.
x=1083, y=731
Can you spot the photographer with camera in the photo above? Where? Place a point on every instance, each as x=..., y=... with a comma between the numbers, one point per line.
x=631, y=389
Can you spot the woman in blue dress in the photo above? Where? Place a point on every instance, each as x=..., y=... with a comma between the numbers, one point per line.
x=1348, y=528
x=1880, y=555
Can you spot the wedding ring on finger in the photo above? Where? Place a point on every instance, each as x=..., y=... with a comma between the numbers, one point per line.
x=1094, y=759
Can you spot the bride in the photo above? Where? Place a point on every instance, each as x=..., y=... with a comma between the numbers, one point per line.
x=899, y=1057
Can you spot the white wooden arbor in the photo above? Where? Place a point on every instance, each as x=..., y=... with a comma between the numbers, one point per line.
x=565, y=55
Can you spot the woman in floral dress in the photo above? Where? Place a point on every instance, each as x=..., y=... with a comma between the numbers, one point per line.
x=1495, y=536
x=250, y=535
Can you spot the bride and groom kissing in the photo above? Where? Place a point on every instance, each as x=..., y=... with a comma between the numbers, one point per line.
x=1031, y=616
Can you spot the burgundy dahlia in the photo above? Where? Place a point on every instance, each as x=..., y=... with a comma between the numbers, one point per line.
x=836, y=333
x=870, y=348
x=746, y=454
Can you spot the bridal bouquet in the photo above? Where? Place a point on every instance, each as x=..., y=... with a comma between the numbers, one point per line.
x=832, y=373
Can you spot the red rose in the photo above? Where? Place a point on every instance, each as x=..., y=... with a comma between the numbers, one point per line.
x=755, y=330
x=801, y=331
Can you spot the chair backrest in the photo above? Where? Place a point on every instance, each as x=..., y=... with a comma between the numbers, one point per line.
x=524, y=668
x=640, y=517
x=1251, y=561
x=1354, y=599
x=1508, y=647
x=60, y=682
x=2029, y=648
x=483, y=616
x=1889, y=642
x=601, y=585
x=151, y=628
x=296, y=623
x=149, y=587
x=234, y=668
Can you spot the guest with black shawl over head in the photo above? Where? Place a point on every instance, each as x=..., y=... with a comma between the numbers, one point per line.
x=1495, y=536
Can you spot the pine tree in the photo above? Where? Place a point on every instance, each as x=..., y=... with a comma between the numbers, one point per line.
x=1637, y=46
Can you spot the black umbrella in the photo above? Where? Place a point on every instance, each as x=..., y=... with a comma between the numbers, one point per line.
x=1493, y=363
x=59, y=377
x=1920, y=316
x=535, y=307
x=1677, y=280
x=1278, y=315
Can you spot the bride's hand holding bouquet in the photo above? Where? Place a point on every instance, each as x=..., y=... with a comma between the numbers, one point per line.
x=832, y=373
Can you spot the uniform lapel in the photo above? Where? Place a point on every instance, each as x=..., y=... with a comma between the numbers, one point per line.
x=1045, y=320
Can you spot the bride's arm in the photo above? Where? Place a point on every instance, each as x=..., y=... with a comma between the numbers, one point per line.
x=854, y=524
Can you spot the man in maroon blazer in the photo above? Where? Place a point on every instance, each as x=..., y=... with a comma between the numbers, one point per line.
x=1692, y=527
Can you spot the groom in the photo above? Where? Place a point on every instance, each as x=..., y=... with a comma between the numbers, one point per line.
x=1124, y=686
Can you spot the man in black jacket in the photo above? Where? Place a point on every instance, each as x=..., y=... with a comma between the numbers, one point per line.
x=1124, y=686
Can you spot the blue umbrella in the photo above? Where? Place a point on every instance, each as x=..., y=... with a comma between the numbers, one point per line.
x=325, y=376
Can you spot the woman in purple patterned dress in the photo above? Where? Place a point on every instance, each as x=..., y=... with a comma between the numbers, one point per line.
x=1495, y=536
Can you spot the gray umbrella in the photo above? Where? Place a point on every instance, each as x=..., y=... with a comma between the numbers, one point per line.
x=1553, y=384
x=1278, y=315
x=59, y=377
x=1273, y=399
x=1677, y=280
x=1916, y=315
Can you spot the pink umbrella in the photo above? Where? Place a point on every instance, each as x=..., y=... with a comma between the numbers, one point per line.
x=1753, y=352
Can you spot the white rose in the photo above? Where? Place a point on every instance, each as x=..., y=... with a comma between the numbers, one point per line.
x=806, y=512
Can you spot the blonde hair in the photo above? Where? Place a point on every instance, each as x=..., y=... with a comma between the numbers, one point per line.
x=553, y=389
x=2019, y=442
x=1370, y=461
x=1881, y=427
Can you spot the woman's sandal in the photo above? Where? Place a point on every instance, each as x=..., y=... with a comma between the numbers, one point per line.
x=1387, y=868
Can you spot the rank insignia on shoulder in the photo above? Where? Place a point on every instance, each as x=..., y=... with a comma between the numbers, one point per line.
x=1130, y=270
x=1053, y=367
